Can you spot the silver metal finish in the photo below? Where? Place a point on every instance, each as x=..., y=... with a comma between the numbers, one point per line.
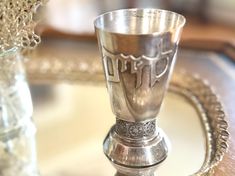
x=138, y=49
x=135, y=156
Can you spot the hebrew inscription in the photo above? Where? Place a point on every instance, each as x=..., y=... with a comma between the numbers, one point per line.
x=158, y=64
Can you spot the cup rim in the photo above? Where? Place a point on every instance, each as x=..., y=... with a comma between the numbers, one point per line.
x=180, y=26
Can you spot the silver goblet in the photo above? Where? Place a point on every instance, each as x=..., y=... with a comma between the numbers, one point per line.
x=138, y=48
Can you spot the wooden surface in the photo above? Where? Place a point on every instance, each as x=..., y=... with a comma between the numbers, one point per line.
x=193, y=30
x=197, y=30
x=219, y=46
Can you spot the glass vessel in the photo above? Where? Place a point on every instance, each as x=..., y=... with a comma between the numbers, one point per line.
x=17, y=130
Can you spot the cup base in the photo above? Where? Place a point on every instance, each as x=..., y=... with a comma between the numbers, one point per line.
x=135, y=157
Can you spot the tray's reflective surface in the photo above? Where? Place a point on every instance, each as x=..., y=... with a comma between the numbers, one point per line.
x=73, y=120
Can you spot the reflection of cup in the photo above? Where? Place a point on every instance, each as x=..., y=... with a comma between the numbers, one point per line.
x=138, y=48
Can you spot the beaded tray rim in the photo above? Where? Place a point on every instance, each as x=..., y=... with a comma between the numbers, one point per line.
x=213, y=118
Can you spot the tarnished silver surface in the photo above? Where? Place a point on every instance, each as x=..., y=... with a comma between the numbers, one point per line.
x=138, y=48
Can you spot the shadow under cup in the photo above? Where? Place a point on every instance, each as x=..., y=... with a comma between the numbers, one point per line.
x=138, y=48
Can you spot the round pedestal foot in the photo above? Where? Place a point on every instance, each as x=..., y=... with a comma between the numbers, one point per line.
x=135, y=157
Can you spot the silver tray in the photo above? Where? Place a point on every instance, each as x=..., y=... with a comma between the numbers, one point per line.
x=71, y=128
x=72, y=123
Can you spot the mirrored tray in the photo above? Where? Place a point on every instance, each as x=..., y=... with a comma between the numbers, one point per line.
x=73, y=118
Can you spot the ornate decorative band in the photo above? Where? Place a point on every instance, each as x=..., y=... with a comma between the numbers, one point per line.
x=135, y=130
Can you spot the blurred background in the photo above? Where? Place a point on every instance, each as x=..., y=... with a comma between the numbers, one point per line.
x=206, y=19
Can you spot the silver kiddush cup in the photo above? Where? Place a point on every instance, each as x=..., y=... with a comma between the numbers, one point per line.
x=138, y=48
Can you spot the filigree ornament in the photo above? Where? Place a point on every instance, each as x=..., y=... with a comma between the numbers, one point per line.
x=17, y=23
x=135, y=130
